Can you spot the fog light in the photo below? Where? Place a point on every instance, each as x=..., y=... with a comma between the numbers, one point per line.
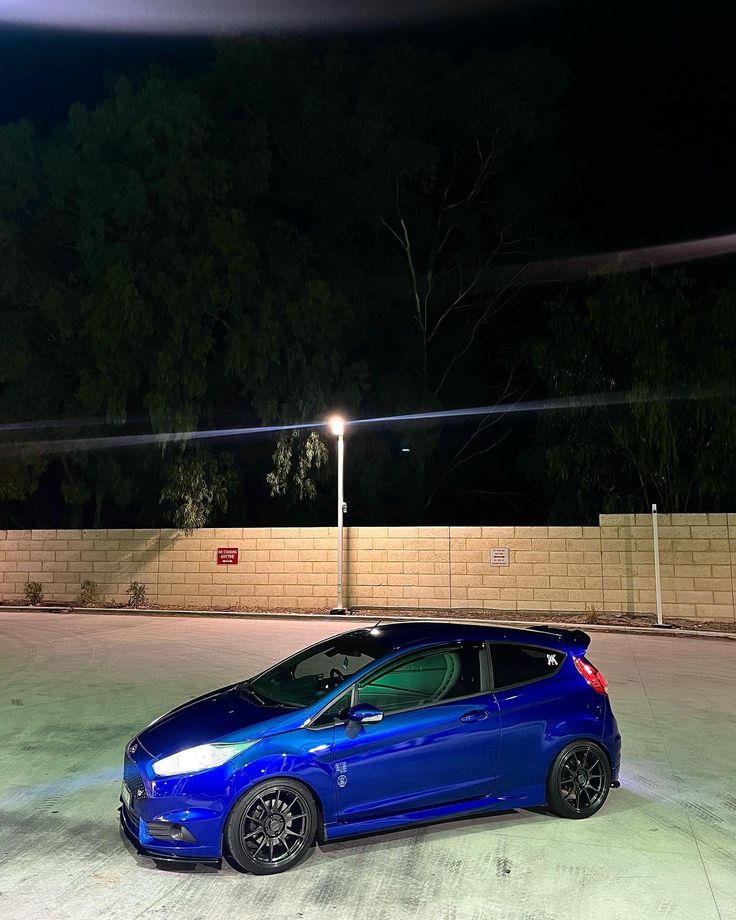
x=165, y=830
x=181, y=833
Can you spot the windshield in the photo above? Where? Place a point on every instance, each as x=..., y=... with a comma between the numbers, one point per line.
x=307, y=676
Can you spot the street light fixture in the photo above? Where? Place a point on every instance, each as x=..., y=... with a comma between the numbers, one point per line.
x=337, y=427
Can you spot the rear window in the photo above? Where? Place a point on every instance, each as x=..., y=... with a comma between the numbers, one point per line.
x=519, y=664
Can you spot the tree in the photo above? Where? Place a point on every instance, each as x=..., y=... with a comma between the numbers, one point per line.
x=197, y=486
x=418, y=175
x=670, y=345
x=282, y=234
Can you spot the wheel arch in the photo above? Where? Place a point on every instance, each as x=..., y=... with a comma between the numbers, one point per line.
x=581, y=738
x=320, y=835
x=564, y=742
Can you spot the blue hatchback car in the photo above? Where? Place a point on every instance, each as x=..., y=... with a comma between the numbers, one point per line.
x=374, y=729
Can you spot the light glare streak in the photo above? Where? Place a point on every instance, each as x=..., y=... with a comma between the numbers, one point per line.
x=218, y=17
x=19, y=798
x=595, y=400
x=627, y=260
x=53, y=423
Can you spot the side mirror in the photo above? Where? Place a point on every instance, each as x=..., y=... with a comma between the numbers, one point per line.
x=364, y=712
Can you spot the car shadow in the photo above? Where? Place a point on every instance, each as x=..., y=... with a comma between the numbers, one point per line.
x=447, y=827
x=620, y=800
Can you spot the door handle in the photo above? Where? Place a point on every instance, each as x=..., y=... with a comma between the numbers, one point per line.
x=474, y=715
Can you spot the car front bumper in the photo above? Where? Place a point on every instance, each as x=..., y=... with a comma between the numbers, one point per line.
x=179, y=818
x=139, y=836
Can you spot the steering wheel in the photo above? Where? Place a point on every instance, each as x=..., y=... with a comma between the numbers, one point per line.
x=337, y=675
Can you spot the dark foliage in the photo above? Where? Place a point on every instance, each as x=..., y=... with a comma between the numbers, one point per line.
x=284, y=233
x=290, y=232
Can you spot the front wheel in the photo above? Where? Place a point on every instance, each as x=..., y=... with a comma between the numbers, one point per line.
x=271, y=828
x=579, y=780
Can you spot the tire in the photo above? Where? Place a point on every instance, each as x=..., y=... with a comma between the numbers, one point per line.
x=271, y=828
x=579, y=780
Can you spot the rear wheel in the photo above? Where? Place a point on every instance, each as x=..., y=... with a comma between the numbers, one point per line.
x=579, y=780
x=271, y=828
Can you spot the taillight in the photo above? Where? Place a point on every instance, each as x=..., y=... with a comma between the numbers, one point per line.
x=592, y=675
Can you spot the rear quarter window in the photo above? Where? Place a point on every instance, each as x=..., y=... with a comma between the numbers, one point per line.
x=521, y=664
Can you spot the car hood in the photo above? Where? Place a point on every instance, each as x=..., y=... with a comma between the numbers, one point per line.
x=225, y=714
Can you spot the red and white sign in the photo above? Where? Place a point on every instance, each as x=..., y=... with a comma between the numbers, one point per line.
x=227, y=555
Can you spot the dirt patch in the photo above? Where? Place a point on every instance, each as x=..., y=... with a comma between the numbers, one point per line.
x=597, y=618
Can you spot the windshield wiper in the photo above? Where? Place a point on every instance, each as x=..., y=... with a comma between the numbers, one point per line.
x=249, y=691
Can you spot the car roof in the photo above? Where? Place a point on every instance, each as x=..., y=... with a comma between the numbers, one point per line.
x=400, y=635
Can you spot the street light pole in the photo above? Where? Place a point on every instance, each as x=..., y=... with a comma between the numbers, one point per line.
x=657, y=576
x=337, y=426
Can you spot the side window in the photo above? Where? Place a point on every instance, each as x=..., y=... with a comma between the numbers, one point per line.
x=425, y=679
x=519, y=664
x=337, y=712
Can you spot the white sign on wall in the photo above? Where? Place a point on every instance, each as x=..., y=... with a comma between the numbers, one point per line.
x=499, y=555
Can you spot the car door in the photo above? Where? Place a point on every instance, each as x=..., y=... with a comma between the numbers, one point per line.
x=438, y=741
x=531, y=705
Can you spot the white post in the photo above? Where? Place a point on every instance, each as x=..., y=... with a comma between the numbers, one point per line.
x=340, y=506
x=657, y=579
x=337, y=426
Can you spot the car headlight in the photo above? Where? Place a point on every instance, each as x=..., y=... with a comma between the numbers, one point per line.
x=202, y=757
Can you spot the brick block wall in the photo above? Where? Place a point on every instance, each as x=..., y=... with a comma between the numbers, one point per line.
x=609, y=567
x=696, y=553
x=550, y=568
x=280, y=567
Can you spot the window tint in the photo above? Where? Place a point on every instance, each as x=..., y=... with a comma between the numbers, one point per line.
x=309, y=675
x=336, y=712
x=517, y=664
x=346, y=661
x=426, y=679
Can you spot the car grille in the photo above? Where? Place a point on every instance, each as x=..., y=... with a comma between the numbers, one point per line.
x=133, y=780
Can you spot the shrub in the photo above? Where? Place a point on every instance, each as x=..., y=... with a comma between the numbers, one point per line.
x=136, y=594
x=591, y=614
x=33, y=593
x=88, y=594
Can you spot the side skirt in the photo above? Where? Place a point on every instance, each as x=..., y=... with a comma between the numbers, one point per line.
x=533, y=797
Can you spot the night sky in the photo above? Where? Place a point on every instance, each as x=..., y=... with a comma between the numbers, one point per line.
x=646, y=127
x=647, y=112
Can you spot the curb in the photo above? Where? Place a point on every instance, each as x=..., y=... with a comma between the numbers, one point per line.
x=266, y=615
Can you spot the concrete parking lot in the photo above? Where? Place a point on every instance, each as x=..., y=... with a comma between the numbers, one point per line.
x=74, y=688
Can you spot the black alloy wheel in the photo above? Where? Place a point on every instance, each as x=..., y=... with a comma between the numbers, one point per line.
x=579, y=780
x=271, y=828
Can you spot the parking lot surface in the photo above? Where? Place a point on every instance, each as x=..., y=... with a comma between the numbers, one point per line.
x=74, y=688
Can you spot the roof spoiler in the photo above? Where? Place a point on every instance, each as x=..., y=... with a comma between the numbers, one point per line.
x=570, y=636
